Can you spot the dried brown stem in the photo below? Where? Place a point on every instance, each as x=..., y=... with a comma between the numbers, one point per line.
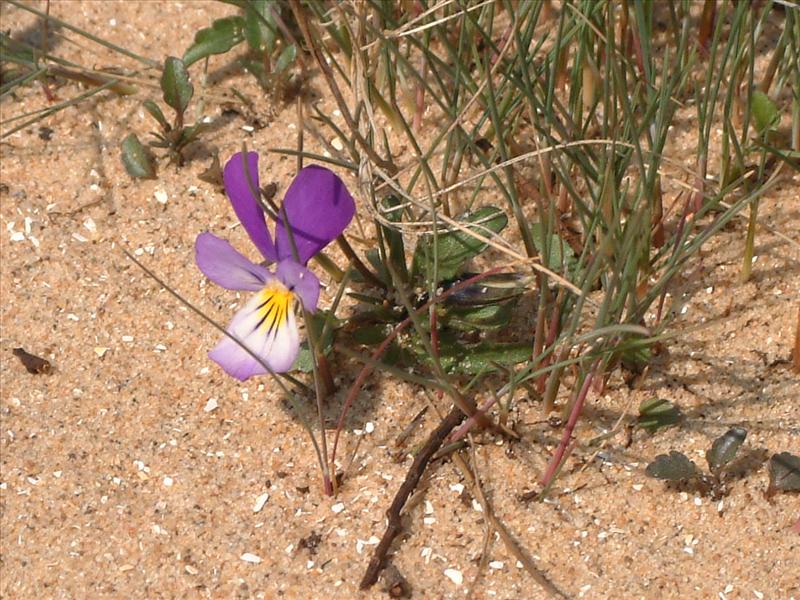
x=302, y=22
x=393, y=514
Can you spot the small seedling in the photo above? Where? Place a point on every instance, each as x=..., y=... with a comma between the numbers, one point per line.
x=272, y=50
x=656, y=413
x=784, y=474
x=174, y=137
x=676, y=466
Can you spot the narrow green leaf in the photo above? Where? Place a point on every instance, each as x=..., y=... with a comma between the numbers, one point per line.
x=156, y=113
x=765, y=112
x=137, y=160
x=286, y=58
x=454, y=248
x=393, y=238
x=724, y=448
x=673, y=467
x=259, y=36
x=560, y=256
x=175, y=84
x=223, y=35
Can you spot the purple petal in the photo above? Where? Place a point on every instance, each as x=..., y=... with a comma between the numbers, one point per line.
x=223, y=265
x=267, y=326
x=242, y=188
x=318, y=207
x=301, y=281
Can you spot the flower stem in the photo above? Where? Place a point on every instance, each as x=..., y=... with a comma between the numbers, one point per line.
x=555, y=462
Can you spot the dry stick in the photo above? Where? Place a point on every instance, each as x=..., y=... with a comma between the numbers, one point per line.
x=555, y=462
x=413, y=476
x=367, y=369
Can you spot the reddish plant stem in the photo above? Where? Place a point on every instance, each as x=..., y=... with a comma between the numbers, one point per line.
x=367, y=370
x=467, y=425
x=552, y=467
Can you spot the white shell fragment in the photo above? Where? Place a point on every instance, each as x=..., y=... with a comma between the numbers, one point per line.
x=212, y=404
x=260, y=502
x=251, y=558
x=454, y=575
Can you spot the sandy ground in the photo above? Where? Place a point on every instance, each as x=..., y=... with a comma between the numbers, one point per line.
x=118, y=482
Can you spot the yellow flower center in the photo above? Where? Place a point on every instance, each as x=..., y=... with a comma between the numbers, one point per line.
x=275, y=302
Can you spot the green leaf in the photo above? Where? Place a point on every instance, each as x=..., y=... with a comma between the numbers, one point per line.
x=190, y=134
x=724, y=448
x=374, y=259
x=454, y=248
x=673, y=467
x=784, y=473
x=635, y=358
x=156, y=113
x=372, y=335
x=765, y=112
x=286, y=58
x=470, y=318
x=175, y=84
x=656, y=413
x=560, y=258
x=223, y=35
x=137, y=160
x=259, y=36
x=472, y=359
x=303, y=361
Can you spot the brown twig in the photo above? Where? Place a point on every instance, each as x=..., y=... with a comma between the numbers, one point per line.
x=394, y=525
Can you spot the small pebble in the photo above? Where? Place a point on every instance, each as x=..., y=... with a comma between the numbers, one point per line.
x=496, y=564
x=211, y=405
x=161, y=196
x=168, y=481
x=338, y=507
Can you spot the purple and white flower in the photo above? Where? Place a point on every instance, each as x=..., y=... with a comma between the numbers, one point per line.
x=318, y=208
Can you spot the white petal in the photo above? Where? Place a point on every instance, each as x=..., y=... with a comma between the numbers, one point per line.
x=267, y=326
